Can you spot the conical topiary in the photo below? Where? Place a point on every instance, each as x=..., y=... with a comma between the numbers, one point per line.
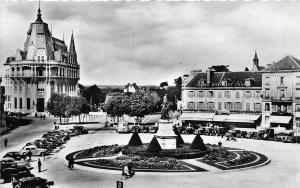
x=179, y=140
x=154, y=146
x=198, y=143
x=135, y=140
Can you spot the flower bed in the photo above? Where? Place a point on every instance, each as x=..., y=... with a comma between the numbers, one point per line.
x=139, y=162
x=99, y=151
x=185, y=152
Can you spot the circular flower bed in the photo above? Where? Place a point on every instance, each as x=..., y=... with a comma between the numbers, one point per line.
x=99, y=151
x=139, y=162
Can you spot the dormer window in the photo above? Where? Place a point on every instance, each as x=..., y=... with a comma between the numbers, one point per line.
x=249, y=82
x=224, y=82
x=202, y=82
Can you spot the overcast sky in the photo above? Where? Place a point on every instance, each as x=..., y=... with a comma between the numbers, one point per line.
x=150, y=42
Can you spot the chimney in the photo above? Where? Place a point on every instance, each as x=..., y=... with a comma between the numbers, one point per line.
x=209, y=75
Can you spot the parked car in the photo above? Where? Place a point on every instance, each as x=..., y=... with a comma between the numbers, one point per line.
x=34, y=150
x=15, y=155
x=18, y=172
x=32, y=182
x=123, y=127
x=136, y=128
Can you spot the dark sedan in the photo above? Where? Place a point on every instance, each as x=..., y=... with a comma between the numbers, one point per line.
x=15, y=155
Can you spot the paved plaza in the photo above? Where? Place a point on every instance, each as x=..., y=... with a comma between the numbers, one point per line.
x=283, y=171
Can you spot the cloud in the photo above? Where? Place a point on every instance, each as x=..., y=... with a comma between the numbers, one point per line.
x=151, y=42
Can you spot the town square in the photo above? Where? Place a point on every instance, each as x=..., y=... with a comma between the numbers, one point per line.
x=149, y=94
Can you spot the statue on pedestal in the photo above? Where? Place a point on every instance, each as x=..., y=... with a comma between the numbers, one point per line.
x=165, y=109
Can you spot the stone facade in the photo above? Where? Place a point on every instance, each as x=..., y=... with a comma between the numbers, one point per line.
x=43, y=67
x=281, y=94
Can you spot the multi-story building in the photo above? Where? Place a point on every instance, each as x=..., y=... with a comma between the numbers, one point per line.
x=281, y=94
x=224, y=98
x=43, y=67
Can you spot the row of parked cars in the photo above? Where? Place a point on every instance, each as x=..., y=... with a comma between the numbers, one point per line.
x=263, y=134
x=15, y=168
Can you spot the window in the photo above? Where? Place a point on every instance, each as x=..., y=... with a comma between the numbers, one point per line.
x=21, y=88
x=238, y=106
x=297, y=108
x=281, y=80
x=282, y=94
x=28, y=103
x=267, y=107
x=191, y=106
x=191, y=94
x=219, y=105
x=274, y=108
x=42, y=58
x=248, y=94
x=201, y=106
x=247, y=106
x=267, y=93
x=257, y=107
x=16, y=103
x=210, y=106
x=283, y=108
x=257, y=94
x=237, y=94
x=16, y=88
x=210, y=94
x=201, y=94
x=227, y=94
x=219, y=94
x=21, y=105
x=297, y=121
x=228, y=105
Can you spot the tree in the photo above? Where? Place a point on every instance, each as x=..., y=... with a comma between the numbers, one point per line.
x=94, y=95
x=163, y=84
x=77, y=106
x=117, y=106
x=143, y=103
x=57, y=105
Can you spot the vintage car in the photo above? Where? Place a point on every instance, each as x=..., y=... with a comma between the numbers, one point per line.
x=123, y=127
x=18, y=172
x=15, y=155
x=34, y=150
x=31, y=182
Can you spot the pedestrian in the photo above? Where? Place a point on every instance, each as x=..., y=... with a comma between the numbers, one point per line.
x=29, y=155
x=5, y=141
x=44, y=116
x=220, y=144
x=71, y=162
x=39, y=164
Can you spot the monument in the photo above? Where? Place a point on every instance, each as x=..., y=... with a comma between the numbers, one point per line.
x=165, y=134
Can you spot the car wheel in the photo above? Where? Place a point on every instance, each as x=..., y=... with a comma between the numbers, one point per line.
x=2, y=181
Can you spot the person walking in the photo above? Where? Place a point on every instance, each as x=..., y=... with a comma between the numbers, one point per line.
x=39, y=165
x=5, y=141
x=29, y=155
x=71, y=162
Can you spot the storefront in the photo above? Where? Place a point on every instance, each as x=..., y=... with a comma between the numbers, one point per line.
x=281, y=121
x=196, y=119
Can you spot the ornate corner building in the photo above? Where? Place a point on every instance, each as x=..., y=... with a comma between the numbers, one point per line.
x=43, y=67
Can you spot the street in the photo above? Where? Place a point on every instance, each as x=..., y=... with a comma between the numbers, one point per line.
x=283, y=171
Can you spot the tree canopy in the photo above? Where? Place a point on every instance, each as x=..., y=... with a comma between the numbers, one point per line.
x=57, y=104
x=77, y=106
x=138, y=104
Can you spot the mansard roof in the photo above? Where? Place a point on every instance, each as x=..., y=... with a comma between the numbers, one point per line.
x=236, y=78
x=288, y=63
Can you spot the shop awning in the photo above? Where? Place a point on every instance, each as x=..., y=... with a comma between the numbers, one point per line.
x=197, y=116
x=220, y=118
x=243, y=118
x=280, y=119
